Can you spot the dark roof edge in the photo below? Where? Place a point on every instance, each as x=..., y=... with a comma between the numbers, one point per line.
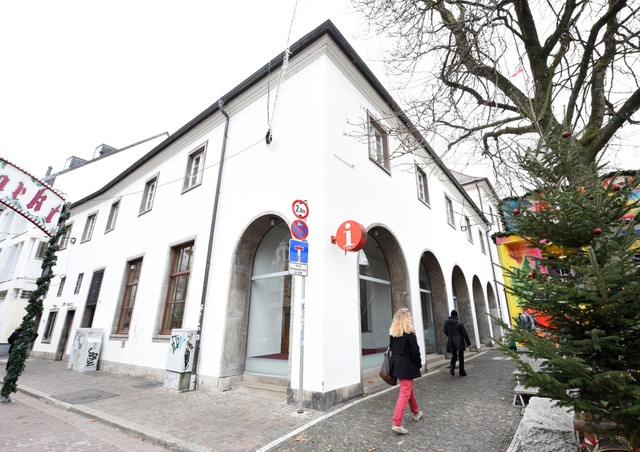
x=326, y=28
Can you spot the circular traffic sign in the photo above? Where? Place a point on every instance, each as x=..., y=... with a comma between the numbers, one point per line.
x=300, y=209
x=299, y=229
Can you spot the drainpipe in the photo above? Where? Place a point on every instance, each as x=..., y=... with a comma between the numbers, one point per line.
x=196, y=351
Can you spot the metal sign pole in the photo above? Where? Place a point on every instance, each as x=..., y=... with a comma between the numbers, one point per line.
x=300, y=393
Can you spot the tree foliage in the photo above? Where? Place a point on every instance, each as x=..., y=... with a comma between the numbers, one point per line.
x=587, y=283
x=515, y=71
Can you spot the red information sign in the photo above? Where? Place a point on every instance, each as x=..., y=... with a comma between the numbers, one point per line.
x=351, y=236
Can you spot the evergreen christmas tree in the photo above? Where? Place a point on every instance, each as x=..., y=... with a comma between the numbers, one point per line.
x=33, y=311
x=585, y=225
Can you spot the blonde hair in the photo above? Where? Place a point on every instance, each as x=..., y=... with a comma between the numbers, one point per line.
x=402, y=323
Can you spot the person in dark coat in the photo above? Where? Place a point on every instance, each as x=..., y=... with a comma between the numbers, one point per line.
x=13, y=338
x=406, y=363
x=457, y=338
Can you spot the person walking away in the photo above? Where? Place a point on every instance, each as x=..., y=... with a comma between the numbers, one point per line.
x=457, y=338
x=405, y=366
x=13, y=338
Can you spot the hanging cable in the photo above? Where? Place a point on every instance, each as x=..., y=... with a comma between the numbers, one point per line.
x=283, y=69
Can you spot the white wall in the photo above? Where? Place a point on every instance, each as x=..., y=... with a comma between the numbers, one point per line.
x=316, y=155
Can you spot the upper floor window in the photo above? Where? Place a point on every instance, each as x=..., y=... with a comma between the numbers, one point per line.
x=78, y=283
x=89, y=226
x=42, y=248
x=449, y=207
x=130, y=291
x=423, y=190
x=113, y=216
x=195, y=168
x=378, y=145
x=64, y=238
x=63, y=279
x=181, y=257
x=149, y=194
x=467, y=224
x=481, y=240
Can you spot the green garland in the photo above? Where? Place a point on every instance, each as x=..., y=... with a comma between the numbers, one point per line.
x=34, y=309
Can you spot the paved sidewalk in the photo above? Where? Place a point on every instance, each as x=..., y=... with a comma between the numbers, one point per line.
x=473, y=413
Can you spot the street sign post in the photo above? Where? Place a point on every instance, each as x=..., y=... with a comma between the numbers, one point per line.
x=298, y=265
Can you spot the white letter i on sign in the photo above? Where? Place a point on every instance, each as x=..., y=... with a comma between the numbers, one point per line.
x=347, y=234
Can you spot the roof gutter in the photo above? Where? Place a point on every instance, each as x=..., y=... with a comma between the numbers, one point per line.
x=214, y=216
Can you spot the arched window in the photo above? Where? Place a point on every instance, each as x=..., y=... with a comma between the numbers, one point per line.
x=270, y=306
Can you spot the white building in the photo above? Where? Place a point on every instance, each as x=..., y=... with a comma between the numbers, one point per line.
x=196, y=233
x=22, y=244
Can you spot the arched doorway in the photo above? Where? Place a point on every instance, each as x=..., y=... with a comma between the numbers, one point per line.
x=462, y=302
x=428, y=315
x=257, y=274
x=495, y=312
x=481, y=313
x=375, y=303
x=430, y=273
x=270, y=306
x=384, y=288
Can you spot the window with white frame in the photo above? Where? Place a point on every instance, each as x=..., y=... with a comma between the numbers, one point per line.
x=378, y=145
x=89, y=227
x=42, y=248
x=78, y=283
x=449, y=206
x=176, y=298
x=63, y=279
x=423, y=190
x=64, y=238
x=467, y=224
x=3, y=295
x=113, y=216
x=149, y=194
x=195, y=168
x=131, y=290
x=481, y=240
x=48, y=329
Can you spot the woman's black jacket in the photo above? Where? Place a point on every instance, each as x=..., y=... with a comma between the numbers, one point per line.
x=406, y=361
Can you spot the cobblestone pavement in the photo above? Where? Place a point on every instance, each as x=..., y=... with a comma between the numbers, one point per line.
x=462, y=414
x=474, y=413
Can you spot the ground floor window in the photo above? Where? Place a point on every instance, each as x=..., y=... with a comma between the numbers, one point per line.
x=375, y=303
x=270, y=306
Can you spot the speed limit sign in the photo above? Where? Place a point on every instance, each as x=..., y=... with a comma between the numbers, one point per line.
x=300, y=209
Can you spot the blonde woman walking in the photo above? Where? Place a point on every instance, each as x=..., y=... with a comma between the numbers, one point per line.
x=405, y=366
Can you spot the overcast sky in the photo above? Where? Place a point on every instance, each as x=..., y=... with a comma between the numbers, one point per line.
x=76, y=74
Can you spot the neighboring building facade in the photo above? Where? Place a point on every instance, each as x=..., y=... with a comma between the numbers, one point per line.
x=484, y=196
x=196, y=234
x=22, y=244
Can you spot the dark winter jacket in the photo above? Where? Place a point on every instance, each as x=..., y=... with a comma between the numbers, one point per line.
x=457, y=334
x=13, y=338
x=406, y=361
